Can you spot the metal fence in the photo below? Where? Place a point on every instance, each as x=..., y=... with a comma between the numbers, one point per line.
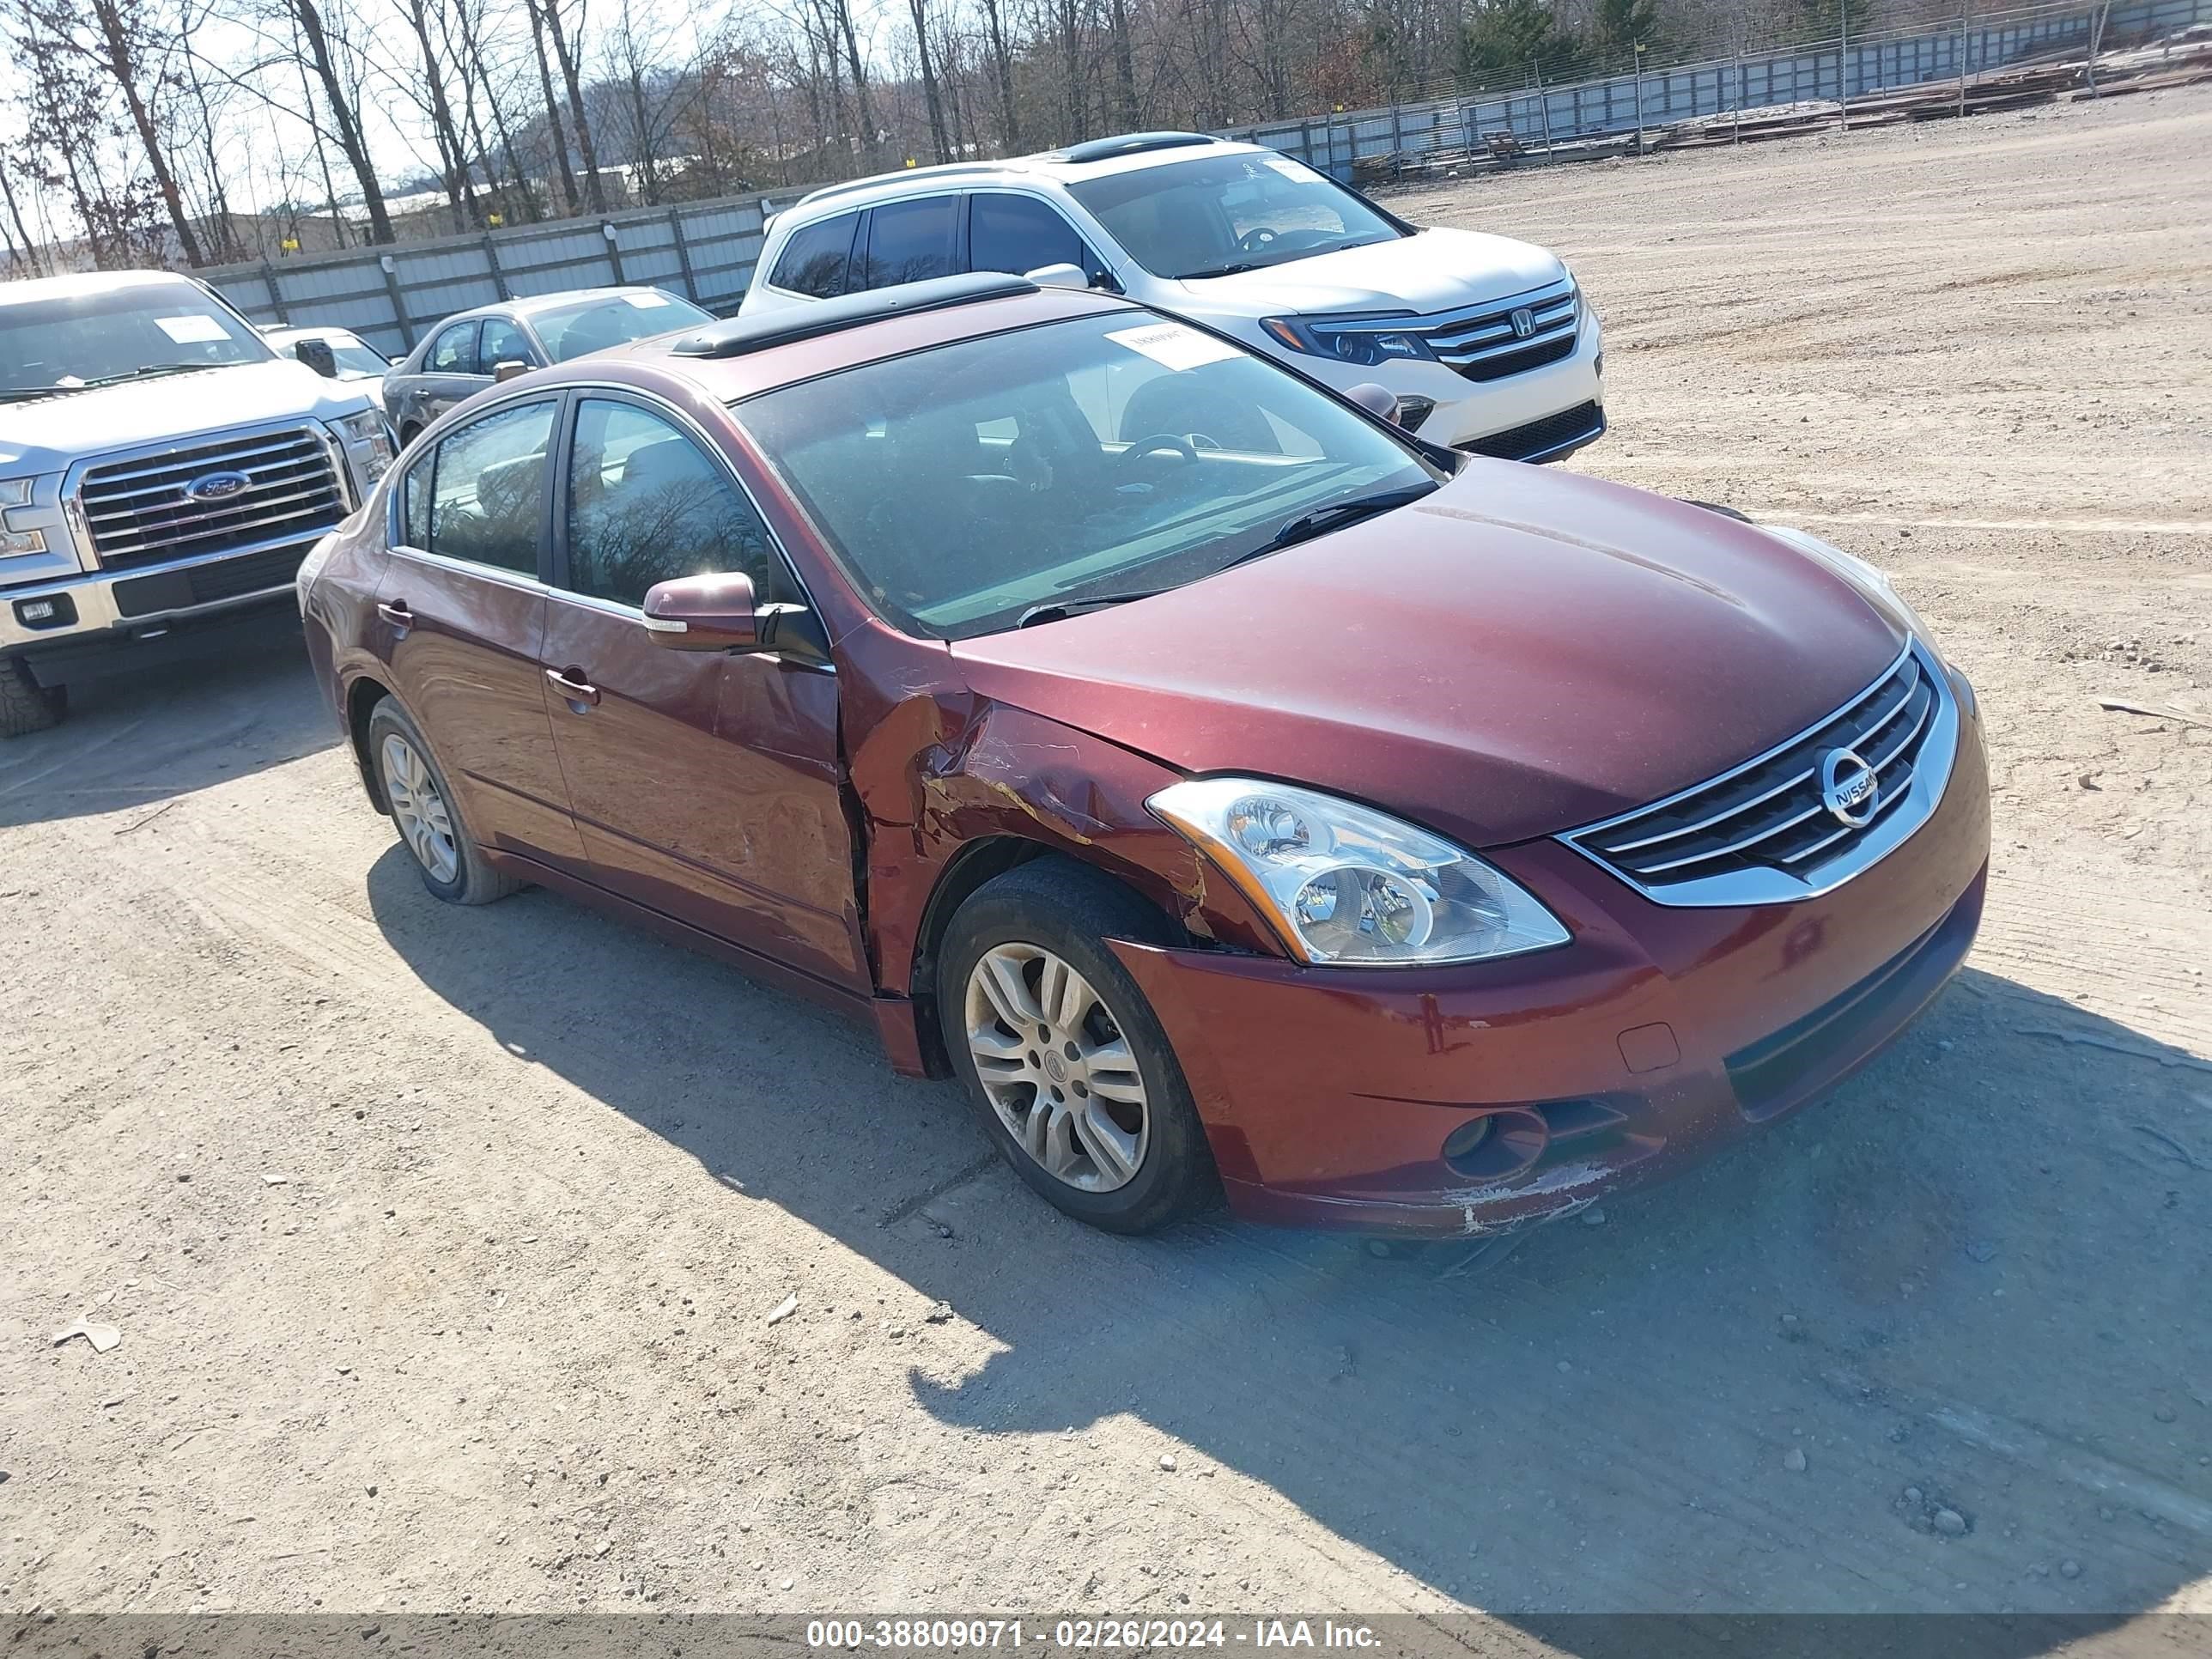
x=391, y=295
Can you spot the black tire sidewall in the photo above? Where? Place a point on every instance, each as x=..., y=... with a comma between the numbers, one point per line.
x=388, y=719
x=1071, y=910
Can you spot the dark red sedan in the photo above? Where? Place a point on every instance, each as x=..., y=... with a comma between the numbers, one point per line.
x=1237, y=794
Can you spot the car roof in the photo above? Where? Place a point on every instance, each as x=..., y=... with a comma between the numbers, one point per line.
x=526, y=305
x=1098, y=159
x=745, y=355
x=82, y=283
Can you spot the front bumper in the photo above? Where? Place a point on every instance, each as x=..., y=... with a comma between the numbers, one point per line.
x=1539, y=414
x=1658, y=1035
x=98, y=611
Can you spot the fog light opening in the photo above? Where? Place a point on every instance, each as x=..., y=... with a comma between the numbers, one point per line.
x=1497, y=1146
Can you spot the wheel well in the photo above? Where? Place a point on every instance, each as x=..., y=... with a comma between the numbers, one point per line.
x=971, y=867
x=362, y=698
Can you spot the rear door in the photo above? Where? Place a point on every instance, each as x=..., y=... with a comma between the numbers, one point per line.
x=705, y=786
x=461, y=620
x=450, y=373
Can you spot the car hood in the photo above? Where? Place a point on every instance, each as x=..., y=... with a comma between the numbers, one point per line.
x=1521, y=652
x=1435, y=271
x=48, y=433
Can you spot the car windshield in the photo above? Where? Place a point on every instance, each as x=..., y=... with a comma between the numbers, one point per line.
x=1217, y=214
x=66, y=343
x=612, y=320
x=971, y=486
x=352, y=354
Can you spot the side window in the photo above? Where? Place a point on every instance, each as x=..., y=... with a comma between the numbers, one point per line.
x=912, y=241
x=488, y=497
x=1019, y=234
x=815, y=259
x=454, y=351
x=502, y=343
x=414, y=503
x=647, y=504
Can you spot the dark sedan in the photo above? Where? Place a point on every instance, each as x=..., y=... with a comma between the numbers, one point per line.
x=1274, y=804
x=465, y=354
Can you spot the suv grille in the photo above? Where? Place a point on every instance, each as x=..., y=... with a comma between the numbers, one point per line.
x=1770, y=812
x=137, y=511
x=1538, y=438
x=1483, y=344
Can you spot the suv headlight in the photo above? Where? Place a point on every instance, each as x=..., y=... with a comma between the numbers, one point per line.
x=1346, y=885
x=1363, y=340
x=1867, y=578
x=368, y=438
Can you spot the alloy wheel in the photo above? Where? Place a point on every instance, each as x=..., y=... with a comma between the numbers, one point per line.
x=1056, y=1068
x=425, y=822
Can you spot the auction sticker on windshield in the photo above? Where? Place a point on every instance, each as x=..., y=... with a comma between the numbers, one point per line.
x=191, y=331
x=1174, y=346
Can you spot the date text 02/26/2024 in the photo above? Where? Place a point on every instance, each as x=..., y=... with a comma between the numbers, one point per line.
x=1083, y=1635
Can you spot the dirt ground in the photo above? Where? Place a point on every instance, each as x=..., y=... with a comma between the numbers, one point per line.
x=443, y=1243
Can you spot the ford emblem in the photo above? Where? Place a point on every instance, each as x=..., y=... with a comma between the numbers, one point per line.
x=1849, y=788
x=216, y=487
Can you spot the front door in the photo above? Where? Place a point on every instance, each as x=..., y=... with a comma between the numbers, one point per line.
x=705, y=786
x=461, y=620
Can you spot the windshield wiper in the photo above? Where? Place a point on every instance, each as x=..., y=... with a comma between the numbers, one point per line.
x=148, y=371
x=16, y=394
x=1054, y=610
x=1235, y=270
x=1334, y=515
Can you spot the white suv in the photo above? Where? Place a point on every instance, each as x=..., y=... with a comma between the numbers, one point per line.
x=1486, y=342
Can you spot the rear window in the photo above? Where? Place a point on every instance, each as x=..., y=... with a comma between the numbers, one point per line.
x=815, y=258
x=613, y=319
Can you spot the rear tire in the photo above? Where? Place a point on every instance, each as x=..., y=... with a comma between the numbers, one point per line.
x=1027, y=987
x=25, y=705
x=422, y=807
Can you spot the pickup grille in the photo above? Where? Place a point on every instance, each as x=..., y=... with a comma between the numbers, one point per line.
x=1770, y=812
x=138, y=512
x=1482, y=342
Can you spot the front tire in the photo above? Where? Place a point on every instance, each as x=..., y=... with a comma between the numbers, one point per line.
x=1063, y=1058
x=428, y=818
x=25, y=705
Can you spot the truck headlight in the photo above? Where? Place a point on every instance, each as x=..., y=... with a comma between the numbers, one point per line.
x=1366, y=341
x=14, y=542
x=1345, y=885
x=369, y=437
x=15, y=492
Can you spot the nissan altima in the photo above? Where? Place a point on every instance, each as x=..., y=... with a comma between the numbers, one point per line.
x=1274, y=807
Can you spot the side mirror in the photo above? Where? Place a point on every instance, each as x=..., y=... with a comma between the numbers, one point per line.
x=703, y=613
x=1060, y=276
x=502, y=373
x=1377, y=400
x=318, y=356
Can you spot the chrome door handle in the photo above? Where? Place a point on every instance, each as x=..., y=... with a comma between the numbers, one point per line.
x=396, y=613
x=578, y=692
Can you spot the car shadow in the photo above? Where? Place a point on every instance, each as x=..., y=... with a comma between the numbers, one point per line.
x=1926, y=1345
x=177, y=716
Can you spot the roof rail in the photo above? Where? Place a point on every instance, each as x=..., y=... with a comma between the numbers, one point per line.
x=875, y=178
x=743, y=335
x=1129, y=143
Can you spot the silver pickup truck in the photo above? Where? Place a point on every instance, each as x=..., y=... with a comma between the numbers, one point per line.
x=159, y=467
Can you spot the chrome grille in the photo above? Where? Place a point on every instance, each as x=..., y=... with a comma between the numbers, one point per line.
x=1482, y=343
x=136, y=511
x=1769, y=814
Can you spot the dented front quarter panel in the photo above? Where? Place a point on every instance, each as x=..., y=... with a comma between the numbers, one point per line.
x=936, y=769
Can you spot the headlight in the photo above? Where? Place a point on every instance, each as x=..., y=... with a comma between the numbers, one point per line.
x=1364, y=340
x=1346, y=885
x=15, y=492
x=1860, y=575
x=369, y=436
x=15, y=542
